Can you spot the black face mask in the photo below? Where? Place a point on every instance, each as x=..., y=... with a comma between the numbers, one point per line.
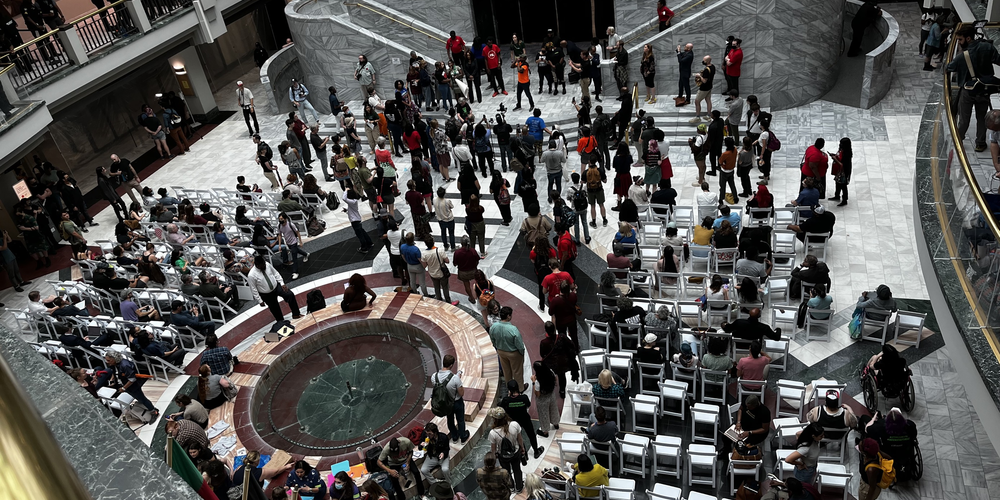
x=705, y=63
x=965, y=44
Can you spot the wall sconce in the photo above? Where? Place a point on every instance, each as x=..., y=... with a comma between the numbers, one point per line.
x=180, y=70
x=181, y=74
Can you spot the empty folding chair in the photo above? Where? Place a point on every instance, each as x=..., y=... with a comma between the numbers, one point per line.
x=620, y=489
x=599, y=334
x=704, y=458
x=784, y=216
x=582, y=405
x=782, y=314
x=687, y=376
x=645, y=406
x=745, y=387
x=670, y=283
x=759, y=217
x=721, y=309
x=667, y=456
x=723, y=257
x=785, y=430
x=634, y=450
x=650, y=374
x=606, y=449
x=592, y=362
x=690, y=314
x=832, y=476
x=714, y=385
x=707, y=417
x=783, y=469
x=571, y=446
x=907, y=321
x=664, y=492
x=783, y=240
x=673, y=393
x=745, y=468
x=694, y=495
x=791, y=400
x=815, y=244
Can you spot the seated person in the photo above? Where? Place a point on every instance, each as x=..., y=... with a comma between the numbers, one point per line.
x=898, y=441
x=176, y=237
x=725, y=236
x=165, y=199
x=755, y=366
x=589, y=475
x=702, y=237
x=37, y=305
x=148, y=268
x=181, y=264
x=310, y=186
x=182, y=316
x=609, y=386
x=159, y=213
x=883, y=300
x=67, y=308
x=685, y=357
x=717, y=358
x=665, y=195
x=727, y=214
x=600, y=428
x=753, y=421
x=208, y=214
x=890, y=369
x=626, y=234
x=136, y=212
x=790, y=489
x=241, y=184
x=716, y=294
x=751, y=328
x=810, y=271
x=752, y=264
x=821, y=222
x=818, y=300
x=354, y=296
x=219, y=359
x=148, y=199
x=209, y=287
x=837, y=419
x=649, y=352
x=747, y=292
x=106, y=279
x=808, y=196
x=307, y=481
x=670, y=236
x=260, y=239
x=288, y=204
x=232, y=265
x=628, y=313
x=221, y=238
x=763, y=199
x=172, y=354
x=132, y=312
x=187, y=285
x=617, y=258
x=121, y=259
x=126, y=237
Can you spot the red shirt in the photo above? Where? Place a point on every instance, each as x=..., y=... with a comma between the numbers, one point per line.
x=552, y=255
x=492, y=55
x=735, y=60
x=815, y=163
x=552, y=282
x=563, y=307
x=455, y=45
x=664, y=13
x=412, y=140
x=566, y=246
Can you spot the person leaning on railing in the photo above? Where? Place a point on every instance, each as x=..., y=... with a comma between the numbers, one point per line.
x=974, y=67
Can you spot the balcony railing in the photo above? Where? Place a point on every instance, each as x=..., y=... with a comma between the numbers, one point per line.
x=104, y=27
x=37, y=58
x=156, y=9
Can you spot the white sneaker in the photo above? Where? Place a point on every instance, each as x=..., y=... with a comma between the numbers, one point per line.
x=295, y=276
x=306, y=258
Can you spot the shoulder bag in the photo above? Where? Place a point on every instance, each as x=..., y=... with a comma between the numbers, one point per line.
x=986, y=84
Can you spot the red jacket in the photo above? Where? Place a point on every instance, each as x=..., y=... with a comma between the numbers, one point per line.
x=492, y=55
x=455, y=45
x=735, y=60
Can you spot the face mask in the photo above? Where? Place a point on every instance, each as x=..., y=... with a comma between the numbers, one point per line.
x=338, y=486
x=705, y=63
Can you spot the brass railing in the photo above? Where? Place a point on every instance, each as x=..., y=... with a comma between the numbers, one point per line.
x=981, y=311
x=105, y=26
x=37, y=58
x=395, y=20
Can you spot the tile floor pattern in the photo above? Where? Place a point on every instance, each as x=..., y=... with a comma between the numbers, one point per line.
x=873, y=242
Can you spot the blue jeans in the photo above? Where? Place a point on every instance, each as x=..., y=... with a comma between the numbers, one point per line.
x=457, y=429
x=505, y=156
x=307, y=106
x=135, y=390
x=554, y=180
x=805, y=475
x=295, y=250
x=581, y=220
x=428, y=93
x=517, y=182
x=447, y=233
x=444, y=94
x=366, y=241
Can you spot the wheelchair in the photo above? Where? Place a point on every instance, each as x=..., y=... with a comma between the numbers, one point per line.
x=870, y=390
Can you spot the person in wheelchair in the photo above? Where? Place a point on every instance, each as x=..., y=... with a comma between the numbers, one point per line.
x=837, y=419
x=890, y=371
x=899, y=439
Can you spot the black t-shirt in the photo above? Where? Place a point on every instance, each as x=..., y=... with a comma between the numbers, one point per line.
x=151, y=122
x=663, y=197
x=650, y=356
x=755, y=419
x=502, y=132
x=707, y=75
x=555, y=55
x=516, y=408
x=123, y=168
x=264, y=153
x=820, y=223
x=104, y=282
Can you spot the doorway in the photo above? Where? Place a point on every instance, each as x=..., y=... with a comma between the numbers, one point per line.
x=576, y=20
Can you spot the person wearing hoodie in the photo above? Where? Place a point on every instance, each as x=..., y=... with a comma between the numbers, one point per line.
x=810, y=271
x=883, y=300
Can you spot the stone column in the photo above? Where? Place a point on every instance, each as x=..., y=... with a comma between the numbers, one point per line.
x=197, y=92
x=70, y=41
x=138, y=15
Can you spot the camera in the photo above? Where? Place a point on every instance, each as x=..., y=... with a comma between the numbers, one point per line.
x=502, y=109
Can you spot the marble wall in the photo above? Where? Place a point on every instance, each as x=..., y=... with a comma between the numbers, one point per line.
x=110, y=460
x=790, y=48
x=328, y=47
x=277, y=74
x=879, y=72
x=419, y=36
x=630, y=14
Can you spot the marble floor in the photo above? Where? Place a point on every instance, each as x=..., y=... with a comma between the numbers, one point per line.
x=873, y=241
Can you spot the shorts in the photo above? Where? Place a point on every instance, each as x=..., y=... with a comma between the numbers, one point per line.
x=595, y=196
x=702, y=95
x=160, y=136
x=466, y=275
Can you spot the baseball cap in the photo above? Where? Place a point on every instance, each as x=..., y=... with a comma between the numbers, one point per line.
x=240, y=82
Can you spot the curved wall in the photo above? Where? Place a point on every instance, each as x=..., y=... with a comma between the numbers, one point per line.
x=790, y=48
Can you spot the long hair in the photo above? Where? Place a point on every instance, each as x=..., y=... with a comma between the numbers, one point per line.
x=748, y=290
x=668, y=260
x=808, y=435
x=203, y=373
x=373, y=490
x=489, y=461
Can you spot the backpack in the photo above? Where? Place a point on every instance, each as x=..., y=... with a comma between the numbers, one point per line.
x=536, y=232
x=315, y=226
x=579, y=199
x=593, y=179
x=507, y=449
x=371, y=458
x=503, y=197
x=601, y=126
x=773, y=143
x=415, y=433
x=482, y=144
x=486, y=297
x=332, y=201
x=442, y=404
x=568, y=215
x=315, y=301
x=888, y=472
x=451, y=129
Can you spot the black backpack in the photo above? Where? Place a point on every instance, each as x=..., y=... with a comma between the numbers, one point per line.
x=600, y=128
x=442, y=404
x=371, y=458
x=579, y=199
x=451, y=129
x=315, y=301
x=507, y=450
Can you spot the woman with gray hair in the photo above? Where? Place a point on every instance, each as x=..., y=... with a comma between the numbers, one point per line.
x=125, y=376
x=467, y=261
x=664, y=319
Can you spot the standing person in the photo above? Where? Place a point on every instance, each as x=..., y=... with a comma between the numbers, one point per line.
x=562, y=307
x=244, y=98
x=704, y=81
x=107, y=190
x=699, y=150
x=872, y=465
x=595, y=193
x=503, y=131
x=259, y=55
x=744, y=165
x=130, y=179
x=565, y=250
x=549, y=407
x=453, y=383
x=33, y=20
x=443, y=85
x=552, y=158
x=544, y=70
x=524, y=82
x=814, y=166
x=446, y=219
x=435, y=260
x=933, y=42
x=73, y=234
x=266, y=285
x=596, y=58
x=34, y=238
x=536, y=125
x=516, y=405
x=602, y=130
x=507, y=444
x=484, y=146
x=351, y=198
x=473, y=75
x=442, y=148
x=319, y=147
x=982, y=55
x=648, y=70
x=263, y=158
x=842, y=168
x=172, y=124
x=583, y=68
x=684, y=60
x=154, y=128
x=289, y=238
x=507, y=341
x=499, y=188
x=731, y=67
x=557, y=59
x=476, y=224
x=764, y=163
x=663, y=14
x=576, y=195
x=491, y=52
x=455, y=47
x=621, y=69
x=467, y=262
x=414, y=264
x=364, y=73
x=9, y=261
x=866, y=16
x=734, y=114
x=516, y=47
x=495, y=481
x=299, y=95
x=716, y=131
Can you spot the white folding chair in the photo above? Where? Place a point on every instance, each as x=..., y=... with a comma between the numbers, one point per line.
x=704, y=458
x=620, y=489
x=785, y=314
x=746, y=387
x=664, y=492
x=782, y=468
x=712, y=378
x=793, y=393
x=633, y=451
x=785, y=430
x=571, y=446
x=673, y=390
x=628, y=336
x=599, y=330
x=745, y=468
x=620, y=363
x=667, y=456
x=822, y=325
x=705, y=415
x=614, y=408
x=833, y=476
x=907, y=321
x=778, y=350
x=645, y=405
x=592, y=362
x=783, y=241
x=725, y=257
x=580, y=400
x=650, y=374
x=687, y=376
x=878, y=318
x=815, y=244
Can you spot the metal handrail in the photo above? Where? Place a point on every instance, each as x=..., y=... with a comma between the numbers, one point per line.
x=977, y=193
x=98, y=11
x=655, y=23
x=30, y=42
x=6, y=69
x=404, y=23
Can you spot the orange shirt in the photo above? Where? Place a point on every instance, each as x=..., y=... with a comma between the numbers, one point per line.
x=523, y=73
x=728, y=161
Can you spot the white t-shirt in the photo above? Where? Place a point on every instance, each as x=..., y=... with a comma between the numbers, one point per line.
x=442, y=209
x=393, y=236
x=764, y=137
x=453, y=385
x=698, y=141
x=37, y=307
x=497, y=435
x=352, y=208
x=244, y=96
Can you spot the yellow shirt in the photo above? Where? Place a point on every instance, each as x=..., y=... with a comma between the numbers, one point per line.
x=702, y=235
x=596, y=477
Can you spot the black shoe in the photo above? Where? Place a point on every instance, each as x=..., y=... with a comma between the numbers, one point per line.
x=588, y=242
x=556, y=426
x=605, y=222
x=711, y=173
x=516, y=108
x=542, y=433
x=843, y=203
x=539, y=451
x=746, y=195
x=18, y=289
x=465, y=437
x=583, y=430
x=25, y=283
x=615, y=209
x=593, y=224
x=834, y=198
x=454, y=438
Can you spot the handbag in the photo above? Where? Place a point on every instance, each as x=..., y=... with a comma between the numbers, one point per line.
x=231, y=391
x=445, y=272
x=979, y=84
x=854, y=327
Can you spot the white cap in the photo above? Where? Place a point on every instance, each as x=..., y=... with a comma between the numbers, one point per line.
x=650, y=338
x=239, y=82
